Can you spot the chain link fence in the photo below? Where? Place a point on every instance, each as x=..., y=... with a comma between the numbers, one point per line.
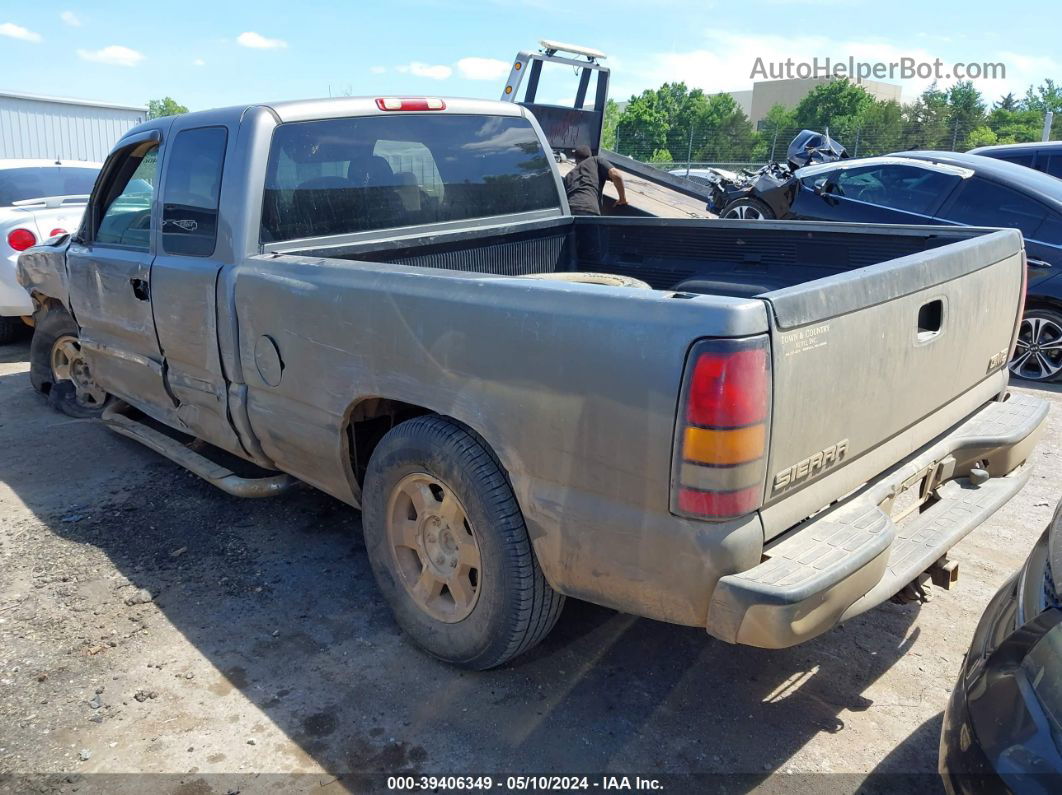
x=746, y=148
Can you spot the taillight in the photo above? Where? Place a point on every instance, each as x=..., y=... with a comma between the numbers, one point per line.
x=721, y=433
x=410, y=103
x=21, y=239
x=57, y=231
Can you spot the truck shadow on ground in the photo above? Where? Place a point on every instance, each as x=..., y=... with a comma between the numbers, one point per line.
x=279, y=598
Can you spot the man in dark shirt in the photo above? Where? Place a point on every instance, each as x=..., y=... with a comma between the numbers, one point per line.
x=584, y=183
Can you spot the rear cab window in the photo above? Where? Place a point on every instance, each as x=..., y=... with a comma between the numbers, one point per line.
x=192, y=191
x=361, y=174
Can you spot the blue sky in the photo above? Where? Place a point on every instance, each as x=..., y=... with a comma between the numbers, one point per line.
x=207, y=54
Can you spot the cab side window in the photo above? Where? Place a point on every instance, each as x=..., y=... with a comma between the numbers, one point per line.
x=126, y=219
x=193, y=190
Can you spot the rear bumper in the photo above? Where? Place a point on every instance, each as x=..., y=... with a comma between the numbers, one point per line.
x=14, y=300
x=854, y=556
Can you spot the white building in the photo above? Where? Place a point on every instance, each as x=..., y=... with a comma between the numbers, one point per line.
x=64, y=129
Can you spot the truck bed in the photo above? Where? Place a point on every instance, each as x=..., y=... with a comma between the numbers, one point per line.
x=692, y=256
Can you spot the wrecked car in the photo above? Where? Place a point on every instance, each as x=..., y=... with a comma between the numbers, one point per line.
x=387, y=299
x=770, y=190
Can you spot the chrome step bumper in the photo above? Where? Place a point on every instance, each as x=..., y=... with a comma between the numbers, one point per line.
x=854, y=556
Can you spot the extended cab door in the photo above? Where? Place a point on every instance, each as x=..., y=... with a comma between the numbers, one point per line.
x=184, y=279
x=110, y=277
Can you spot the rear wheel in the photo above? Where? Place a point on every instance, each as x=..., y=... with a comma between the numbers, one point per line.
x=1038, y=354
x=449, y=547
x=59, y=370
x=747, y=209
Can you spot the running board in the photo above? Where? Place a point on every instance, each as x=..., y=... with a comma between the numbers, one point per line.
x=210, y=471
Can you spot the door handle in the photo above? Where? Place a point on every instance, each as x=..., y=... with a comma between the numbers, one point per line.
x=140, y=289
x=1037, y=263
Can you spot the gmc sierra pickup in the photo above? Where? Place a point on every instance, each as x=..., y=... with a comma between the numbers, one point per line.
x=760, y=429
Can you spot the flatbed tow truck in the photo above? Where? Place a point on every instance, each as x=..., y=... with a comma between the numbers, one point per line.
x=650, y=191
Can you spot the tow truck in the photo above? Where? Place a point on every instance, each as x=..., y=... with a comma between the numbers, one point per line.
x=650, y=191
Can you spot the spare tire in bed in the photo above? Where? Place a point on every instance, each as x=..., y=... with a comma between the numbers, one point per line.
x=607, y=279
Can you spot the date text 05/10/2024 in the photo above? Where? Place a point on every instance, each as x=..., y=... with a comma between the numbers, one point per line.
x=522, y=783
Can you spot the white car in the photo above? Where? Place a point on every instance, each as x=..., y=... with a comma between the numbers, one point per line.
x=38, y=200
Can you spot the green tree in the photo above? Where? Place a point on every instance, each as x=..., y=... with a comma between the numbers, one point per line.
x=966, y=112
x=838, y=105
x=642, y=127
x=1006, y=102
x=982, y=136
x=608, y=124
x=723, y=133
x=167, y=106
x=776, y=129
x=1016, y=126
x=661, y=156
x=1045, y=97
x=926, y=121
x=682, y=122
x=880, y=130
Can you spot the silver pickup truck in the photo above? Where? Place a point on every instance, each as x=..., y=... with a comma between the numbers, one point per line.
x=760, y=429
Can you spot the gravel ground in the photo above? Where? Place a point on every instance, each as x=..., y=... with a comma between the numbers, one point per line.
x=152, y=624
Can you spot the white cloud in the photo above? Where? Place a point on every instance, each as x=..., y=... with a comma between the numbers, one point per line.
x=115, y=55
x=70, y=18
x=483, y=68
x=256, y=41
x=377, y=70
x=435, y=72
x=726, y=60
x=198, y=62
x=11, y=30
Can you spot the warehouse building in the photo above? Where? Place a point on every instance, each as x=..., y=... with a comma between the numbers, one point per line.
x=765, y=94
x=64, y=129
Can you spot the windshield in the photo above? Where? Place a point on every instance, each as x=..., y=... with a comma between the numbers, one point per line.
x=339, y=176
x=38, y=182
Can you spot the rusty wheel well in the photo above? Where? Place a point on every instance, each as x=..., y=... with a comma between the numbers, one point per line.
x=369, y=420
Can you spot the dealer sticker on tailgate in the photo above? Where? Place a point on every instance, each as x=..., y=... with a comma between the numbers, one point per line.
x=805, y=339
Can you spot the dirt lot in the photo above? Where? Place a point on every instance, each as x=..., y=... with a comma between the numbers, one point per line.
x=151, y=624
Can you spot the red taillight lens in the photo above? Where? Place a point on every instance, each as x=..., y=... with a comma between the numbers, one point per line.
x=721, y=435
x=57, y=231
x=410, y=103
x=719, y=504
x=21, y=239
x=728, y=389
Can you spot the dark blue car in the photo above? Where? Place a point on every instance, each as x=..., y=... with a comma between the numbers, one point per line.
x=1045, y=156
x=944, y=188
x=1002, y=728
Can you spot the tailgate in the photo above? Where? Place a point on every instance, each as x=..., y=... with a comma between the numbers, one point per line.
x=892, y=353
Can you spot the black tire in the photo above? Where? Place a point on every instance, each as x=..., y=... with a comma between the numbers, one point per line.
x=747, y=209
x=515, y=608
x=11, y=329
x=51, y=324
x=1032, y=362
